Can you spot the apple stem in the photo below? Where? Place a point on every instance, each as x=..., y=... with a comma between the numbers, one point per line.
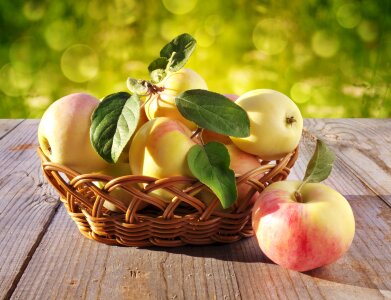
x=146, y=101
x=198, y=134
x=298, y=197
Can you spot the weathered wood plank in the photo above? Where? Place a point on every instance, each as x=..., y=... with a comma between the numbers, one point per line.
x=363, y=145
x=6, y=125
x=66, y=265
x=27, y=203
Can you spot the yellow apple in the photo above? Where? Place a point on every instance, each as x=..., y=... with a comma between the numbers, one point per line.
x=159, y=149
x=64, y=133
x=303, y=235
x=162, y=103
x=276, y=124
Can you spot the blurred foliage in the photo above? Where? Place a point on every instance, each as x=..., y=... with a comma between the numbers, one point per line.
x=332, y=57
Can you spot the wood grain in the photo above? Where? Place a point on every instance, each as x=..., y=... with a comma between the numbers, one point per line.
x=27, y=203
x=67, y=265
x=7, y=125
x=364, y=146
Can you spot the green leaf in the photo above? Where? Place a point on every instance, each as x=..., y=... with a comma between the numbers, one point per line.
x=157, y=69
x=210, y=165
x=113, y=124
x=137, y=86
x=321, y=163
x=178, y=51
x=213, y=111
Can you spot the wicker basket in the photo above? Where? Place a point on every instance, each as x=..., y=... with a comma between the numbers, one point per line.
x=184, y=220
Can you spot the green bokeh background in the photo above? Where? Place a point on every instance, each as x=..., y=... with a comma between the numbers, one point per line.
x=333, y=58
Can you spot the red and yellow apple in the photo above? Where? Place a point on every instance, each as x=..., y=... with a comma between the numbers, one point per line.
x=276, y=124
x=64, y=133
x=302, y=235
x=159, y=149
x=162, y=103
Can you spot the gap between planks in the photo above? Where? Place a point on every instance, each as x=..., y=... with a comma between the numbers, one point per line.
x=7, y=128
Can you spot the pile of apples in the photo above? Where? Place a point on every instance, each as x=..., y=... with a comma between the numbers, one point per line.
x=299, y=225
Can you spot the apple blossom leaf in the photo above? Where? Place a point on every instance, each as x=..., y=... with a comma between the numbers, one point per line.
x=137, y=86
x=321, y=163
x=214, y=112
x=113, y=124
x=178, y=51
x=210, y=165
x=157, y=69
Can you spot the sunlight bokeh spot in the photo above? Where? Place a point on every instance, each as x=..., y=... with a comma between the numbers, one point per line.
x=60, y=34
x=27, y=55
x=6, y=84
x=325, y=44
x=19, y=80
x=80, y=63
x=214, y=25
x=179, y=7
x=204, y=39
x=269, y=36
x=368, y=31
x=348, y=15
x=122, y=12
x=38, y=102
x=169, y=29
x=301, y=92
x=241, y=79
x=33, y=10
x=97, y=9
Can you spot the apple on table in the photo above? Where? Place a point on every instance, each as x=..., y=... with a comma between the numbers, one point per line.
x=303, y=225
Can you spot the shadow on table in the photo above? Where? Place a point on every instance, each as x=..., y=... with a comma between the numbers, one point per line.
x=245, y=250
x=366, y=264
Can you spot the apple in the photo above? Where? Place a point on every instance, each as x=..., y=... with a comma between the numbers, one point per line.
x=211, y=136
x=276, y=124
x=232, y=97
x=117, y=170
x=306, y=234
x=64, y=133
x=159, y=149
x=162, y=103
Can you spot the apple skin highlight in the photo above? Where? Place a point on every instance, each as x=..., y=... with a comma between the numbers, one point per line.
x=303, y=236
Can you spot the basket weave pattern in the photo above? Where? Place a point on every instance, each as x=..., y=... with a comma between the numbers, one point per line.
x=184, y=220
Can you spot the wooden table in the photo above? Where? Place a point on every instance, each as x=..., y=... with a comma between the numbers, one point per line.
x=43, y=256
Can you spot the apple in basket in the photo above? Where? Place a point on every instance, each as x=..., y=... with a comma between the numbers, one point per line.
x=302, y=225
x=159, y=149
x=276, y=124
x=162, y=102
x=64, y=133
